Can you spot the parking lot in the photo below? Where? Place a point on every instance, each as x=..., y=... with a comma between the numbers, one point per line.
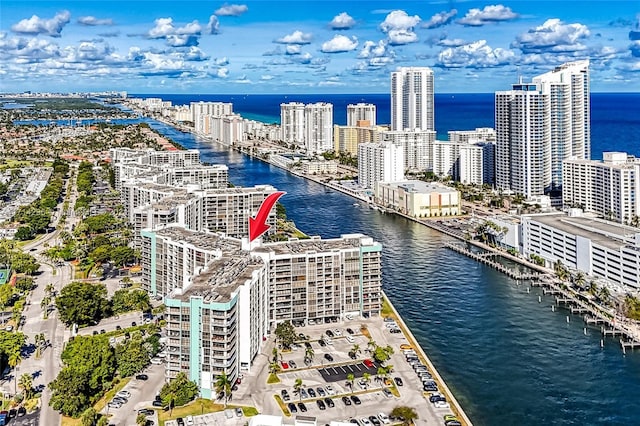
x=330, y=376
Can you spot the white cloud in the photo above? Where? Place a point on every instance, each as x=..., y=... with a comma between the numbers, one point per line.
x=454, y=42
x=221, y=61
x=552, y=36
x=342, y=21
x=27, y=50
x=493, y=13
x=399, y=27
x=213, y=27
x=232, y=10
x=474, y=55
x=266, y=77
x=176, y=36
x=93, y=21
x=293, y=49
x=339, y=44
x=222, y=72
x=36, y=25
x=195, y=54
x=376, y=55
x=296, y=37
x=440, y=19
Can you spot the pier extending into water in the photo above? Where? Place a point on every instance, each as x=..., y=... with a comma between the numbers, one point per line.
x=486, y=258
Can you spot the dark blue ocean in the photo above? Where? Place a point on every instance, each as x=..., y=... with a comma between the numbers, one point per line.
x=509, y=359
x=615, y=117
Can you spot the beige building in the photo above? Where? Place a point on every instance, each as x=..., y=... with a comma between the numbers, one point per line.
x=419, y=199
x=347, y=138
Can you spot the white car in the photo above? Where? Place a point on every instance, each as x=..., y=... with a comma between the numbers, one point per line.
x=330, y=390
x=350, y=339
x=365, y=421
x=441, y=404
x=124, y=394
x=156, y=361
x=162, y=354
x=384, y=418
x=189, y=420
x=337, y=332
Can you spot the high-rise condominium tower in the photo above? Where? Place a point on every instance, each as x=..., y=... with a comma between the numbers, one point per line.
x=412, y=104
x=539, y=125
x=292, y=122
x=361, y=114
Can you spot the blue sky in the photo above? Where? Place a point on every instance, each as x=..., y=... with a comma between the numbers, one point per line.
x=157, y=46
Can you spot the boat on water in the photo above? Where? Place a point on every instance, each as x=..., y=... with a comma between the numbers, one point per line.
x=356, y=205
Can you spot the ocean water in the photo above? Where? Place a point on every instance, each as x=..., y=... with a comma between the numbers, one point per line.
x=615, y=117
x=508, y=359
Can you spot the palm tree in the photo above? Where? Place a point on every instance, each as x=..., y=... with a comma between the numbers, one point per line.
x=367, y=378
x=371, y=345
x=593, y=287
x=309, y=354
x=297, y=386
x=223, y=385
x=580, y=279
x=15, y=358
x=44, y=305
x=274, y=352
x=355, y=349
x=49, y=289
x=604, y=295
x=26, y=384
x=274, y=368
x=381, y=372
x=350, y=379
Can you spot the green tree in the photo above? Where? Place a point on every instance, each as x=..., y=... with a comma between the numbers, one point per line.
x=24, y=233
x=24, y=263
x=26, y=385
x=94, y=355
x=286, y=334
x=122, y=255
x=297, y=387
x=350, y=379
x=223, y=386
x=14, y=359
x=407, y=414
x=44, y=305
x=132, y=356
x=382, y=354
x=141, y=419
x=274, y=368
x=125, y=300
x=309, y=354
x=179, y=391
x=6, y=295
x=89, y=417
x=367, y=378
x=70, y=392
x=101, y=254
x=82, y=303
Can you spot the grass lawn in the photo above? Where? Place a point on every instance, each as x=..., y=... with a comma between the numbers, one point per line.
x=195, y=408
x=386, y=309
x=273, y=378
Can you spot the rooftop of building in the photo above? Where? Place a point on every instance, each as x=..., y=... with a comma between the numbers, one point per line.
x=204, y=240
x=316, y=245
x=171, y=201
x=420, y=186
x=604, y=233
x=240, y=190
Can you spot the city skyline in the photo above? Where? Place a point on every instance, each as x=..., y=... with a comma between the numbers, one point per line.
x=309, y=46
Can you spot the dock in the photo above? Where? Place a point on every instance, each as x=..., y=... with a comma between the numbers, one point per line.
x=486, y=258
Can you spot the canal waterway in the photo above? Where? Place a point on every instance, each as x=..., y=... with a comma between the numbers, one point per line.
x=509, y=359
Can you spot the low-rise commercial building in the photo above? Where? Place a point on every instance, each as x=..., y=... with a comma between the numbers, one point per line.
x=417, y=198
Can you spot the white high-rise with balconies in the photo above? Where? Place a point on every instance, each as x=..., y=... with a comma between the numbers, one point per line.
x=361, y=114
x=292, y=123
x=539, y=125
x=412, y=99
x=568, y=90
x=318, y=127
x=380, y=162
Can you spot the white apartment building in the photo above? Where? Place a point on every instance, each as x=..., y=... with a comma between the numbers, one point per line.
x=479, y=134
x=258, y=130
x=292, y=123
x=539, y=125
x=361, y=115
x=379, y=162
x=610, y=188
x=318, y=126
x=523, y=140
x=226, y=129
x=445, y=157
x=569, y=96
x=347, y=138
x=412, y=99
x=417, y=146
x=596, y=247
x=470, y=165
x=418, y=199
x=223, y=298
x=319, y=167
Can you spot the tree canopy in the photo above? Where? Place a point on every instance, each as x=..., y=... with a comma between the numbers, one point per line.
x=286, y=334
x=179, y=391
x=82, y=303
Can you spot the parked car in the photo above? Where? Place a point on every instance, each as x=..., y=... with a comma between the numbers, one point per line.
x=374, y=420
x=146, y=411
x=285, y=395
x=157, y=403
x=189, y=420
x=302, y=407
x=346, y=400
x=330, y=390
x=292, y=408
x=350, y=339
x=329, y=402
x=356, y=400
x=21, y=411
x=329, y=333
x=312, y=393
x=384, y=418
x=368, y=363
x=321, y=391
x=321, y=404
x=322, y=343
x=350, y=331
x=293, y=364
x=124, y=394
x=180, y=421
x=142, y=377
x=328, y=357
x=303, y=393
x=387, y=392
x=365, y=421
x=239, y=412
x=398, y=381
x=156, y=361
